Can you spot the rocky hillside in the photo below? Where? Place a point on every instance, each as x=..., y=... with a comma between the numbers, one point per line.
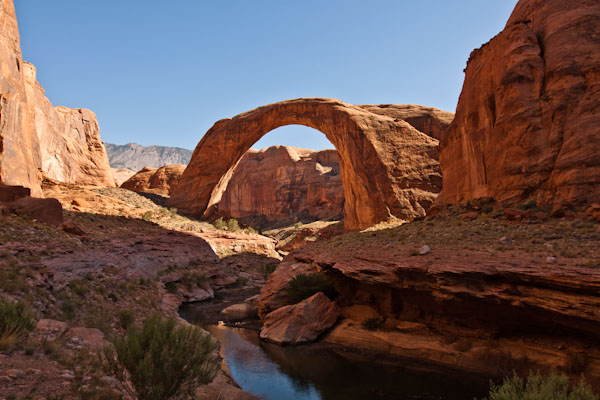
x=135, y=157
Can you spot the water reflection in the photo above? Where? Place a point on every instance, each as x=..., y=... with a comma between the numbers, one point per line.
x=310, y=372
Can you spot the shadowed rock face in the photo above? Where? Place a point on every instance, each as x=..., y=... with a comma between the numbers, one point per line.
x=388, y=167
x=280, y=185
x=527, y=124
x=155, y=180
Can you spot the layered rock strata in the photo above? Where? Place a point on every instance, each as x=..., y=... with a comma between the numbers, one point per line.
x=527, y=125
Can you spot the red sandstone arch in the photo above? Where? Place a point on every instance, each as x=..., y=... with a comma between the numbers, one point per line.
x=388, y=167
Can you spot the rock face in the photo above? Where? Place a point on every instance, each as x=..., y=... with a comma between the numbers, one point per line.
x=135, y=157
x=302, y=322
x=19, y=145
x=43, y=210
x=121, y=175
x=155, y=180
x=281, y=185
x=62, y=143
x=527, y=124
x=71, y=150
x=450, y=311
x=388, y=167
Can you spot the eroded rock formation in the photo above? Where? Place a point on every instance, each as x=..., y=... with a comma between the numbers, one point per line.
x=62, y=143
x=121, y=175
x=527, y=124
x=71, y=150
x=388, y=167
x=155, y=180
x=19, y=145
x=281, y=185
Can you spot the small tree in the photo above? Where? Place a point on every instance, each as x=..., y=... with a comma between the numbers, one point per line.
x=162, y=360
x=538, y=387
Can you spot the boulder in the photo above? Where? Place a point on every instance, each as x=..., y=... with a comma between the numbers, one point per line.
x=43, y=210
x=90, y=337
x=238, y=312
x=11, y=193
x=72, y=228
x=302, y=322
x=527, y=124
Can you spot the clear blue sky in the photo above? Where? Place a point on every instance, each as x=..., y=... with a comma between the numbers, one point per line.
x=162, y=72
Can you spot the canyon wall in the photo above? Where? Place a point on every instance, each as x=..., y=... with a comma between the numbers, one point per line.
x=71, y=150
x=527, y=125
x=280, y=185
x=62, y=143
x=19, y=145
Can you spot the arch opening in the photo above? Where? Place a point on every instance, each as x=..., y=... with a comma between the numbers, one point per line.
x=283, y=180
x=388, y=168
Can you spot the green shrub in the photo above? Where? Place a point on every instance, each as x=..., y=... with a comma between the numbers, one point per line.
x=233, y=225
x=161, y=360
x=147, y=216
x=193, y=279
x=371, y=324
x=303, y=286
x=15, y=321
x=220, y=224
x=538, y=387
x=126, y=318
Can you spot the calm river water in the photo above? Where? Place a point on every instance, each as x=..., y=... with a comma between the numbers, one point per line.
x=312, y=372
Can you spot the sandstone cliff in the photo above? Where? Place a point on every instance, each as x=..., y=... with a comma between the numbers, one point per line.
x=62, y=143
x=527, y=125
x=19, y=146
x=281, y=185
x=155, y=180
x=71, y=150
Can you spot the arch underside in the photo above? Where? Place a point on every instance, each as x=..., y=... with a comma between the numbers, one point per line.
x=388, y=167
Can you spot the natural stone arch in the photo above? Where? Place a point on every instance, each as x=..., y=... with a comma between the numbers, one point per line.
x=388, y=167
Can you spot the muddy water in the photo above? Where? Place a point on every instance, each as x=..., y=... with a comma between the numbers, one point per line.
x=316, y=372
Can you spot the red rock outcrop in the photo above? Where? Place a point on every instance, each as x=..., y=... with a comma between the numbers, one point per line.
x=48, y=211
x=71, y=150
x=19, y=145
x=155, y=180
x=388, y=167
x=302, y=322
x=527, y=124
x=477, y=312
x=281, y=185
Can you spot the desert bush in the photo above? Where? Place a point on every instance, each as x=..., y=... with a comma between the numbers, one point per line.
x=538, y=387
x=303, y=286
x=126, y=318
x=233, y=225
x=371, y=324
x=193, y=279
x=161, y=360
x=220, y=224
x=147, y=216
x=15, y=321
